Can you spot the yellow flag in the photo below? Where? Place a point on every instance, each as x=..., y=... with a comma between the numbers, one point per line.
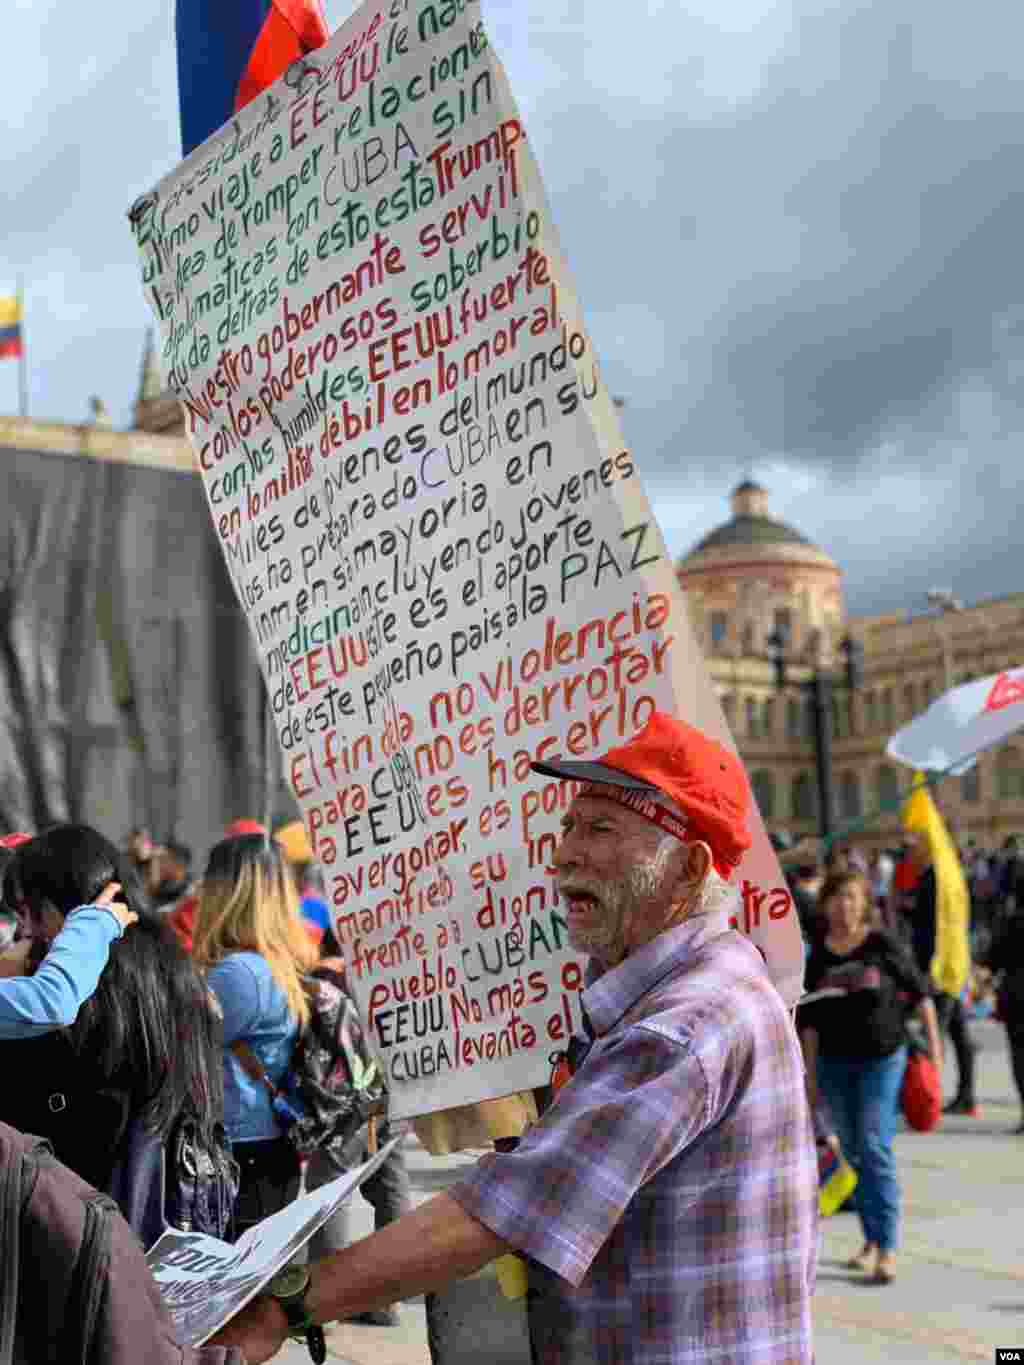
x=295, y=843
x=952, y=960
x=10, y=310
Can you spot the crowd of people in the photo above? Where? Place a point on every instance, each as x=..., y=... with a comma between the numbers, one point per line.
x=683, y=1137
x=869, y=922
x=131, y=987
x=668, y=1192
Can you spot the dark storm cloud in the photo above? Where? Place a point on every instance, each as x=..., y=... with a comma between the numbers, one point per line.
x=796, y=232
x=931, y=235
x=835, y=258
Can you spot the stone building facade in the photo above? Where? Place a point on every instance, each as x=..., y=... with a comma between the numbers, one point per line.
x=754, y=576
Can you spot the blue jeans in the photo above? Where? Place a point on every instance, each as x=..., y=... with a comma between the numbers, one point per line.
x=864, y=1099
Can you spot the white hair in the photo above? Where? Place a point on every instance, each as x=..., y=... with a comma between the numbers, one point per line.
x=714, y=895
x=646, y=877
x=717, y=895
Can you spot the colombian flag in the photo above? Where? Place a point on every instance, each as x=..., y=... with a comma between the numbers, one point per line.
x=952, y=960
x=230, y=50
x=10, y=326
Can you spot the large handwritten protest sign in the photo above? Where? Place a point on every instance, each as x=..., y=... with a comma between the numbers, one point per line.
x=447, y=560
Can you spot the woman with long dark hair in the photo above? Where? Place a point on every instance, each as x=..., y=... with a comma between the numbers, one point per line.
x=51, y=998
x=144, y=1045
x=250, y=939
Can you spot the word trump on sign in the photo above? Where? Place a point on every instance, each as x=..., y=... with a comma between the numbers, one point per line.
x=432, y=522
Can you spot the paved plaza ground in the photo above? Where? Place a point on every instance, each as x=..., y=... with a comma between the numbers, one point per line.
x=959, y=1292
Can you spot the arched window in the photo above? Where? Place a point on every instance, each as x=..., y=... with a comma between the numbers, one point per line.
x=803, y=804
x=849, y=796
x=888, y=721
x=762, y=784
x=870, y=712
x=747, y=640
x=1009, y=775
x=887, y=786
x=909, y=701
x=753, y=718
x=729, y=709
x=970, y=786
x=768, y=716
x=719, y=628
x=793, y=728
x=927, y=692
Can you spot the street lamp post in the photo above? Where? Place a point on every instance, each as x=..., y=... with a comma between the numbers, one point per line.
x=820, y=690
x=947, y=603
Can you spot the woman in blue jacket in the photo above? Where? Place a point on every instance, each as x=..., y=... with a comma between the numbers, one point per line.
x=140, y=1048
x=70, y=971
x=250, y=938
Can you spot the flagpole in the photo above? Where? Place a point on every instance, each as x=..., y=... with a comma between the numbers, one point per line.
x=22, y=352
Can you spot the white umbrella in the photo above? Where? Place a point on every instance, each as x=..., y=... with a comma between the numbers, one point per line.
x=960, y=724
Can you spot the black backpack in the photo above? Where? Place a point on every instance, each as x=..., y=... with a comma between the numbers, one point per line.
x=187, y=1180
x=333, y=1085
x=74, y=1284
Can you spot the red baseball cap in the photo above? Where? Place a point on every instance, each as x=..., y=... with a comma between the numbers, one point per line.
x=704, y=779
x=238, y=827
x=14, y=840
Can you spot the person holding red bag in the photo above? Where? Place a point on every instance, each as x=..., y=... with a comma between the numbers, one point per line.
x=855, y=1050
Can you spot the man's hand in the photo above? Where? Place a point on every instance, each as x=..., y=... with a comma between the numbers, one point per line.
x=259, y=1330
x=14, y=962
x=420, y=1252
x=108, y=899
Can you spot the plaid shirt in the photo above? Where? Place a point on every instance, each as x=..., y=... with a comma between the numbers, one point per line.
x=668, y=1198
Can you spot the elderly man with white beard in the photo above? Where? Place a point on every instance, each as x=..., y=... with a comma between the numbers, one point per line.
x=666, y=1202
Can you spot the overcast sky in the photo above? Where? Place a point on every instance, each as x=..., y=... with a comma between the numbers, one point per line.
x=796, y=229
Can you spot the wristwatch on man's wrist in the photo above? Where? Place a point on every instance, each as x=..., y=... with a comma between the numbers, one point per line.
x=289, y=1287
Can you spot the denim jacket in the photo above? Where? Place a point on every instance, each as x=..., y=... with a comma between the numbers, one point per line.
x=255, y=1011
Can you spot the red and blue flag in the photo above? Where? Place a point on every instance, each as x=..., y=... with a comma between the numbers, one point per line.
x=10, y=326
x=230, y=50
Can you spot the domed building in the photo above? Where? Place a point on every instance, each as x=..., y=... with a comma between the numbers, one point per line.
x=754, y=574
x=755, y=584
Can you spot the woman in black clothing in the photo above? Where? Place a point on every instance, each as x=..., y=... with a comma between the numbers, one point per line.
x=1006, y=956
x=855, y=1050
x=145, y=1046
